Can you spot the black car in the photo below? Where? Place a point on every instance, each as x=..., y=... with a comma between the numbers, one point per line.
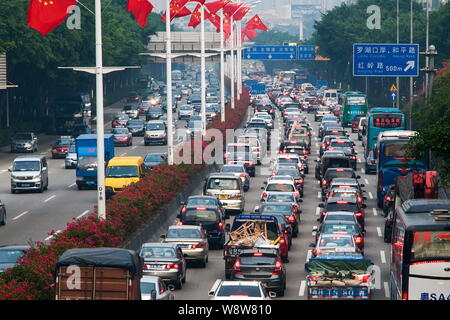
x=263, y=265
x=201, y=201
x=333, y=131
x=332, y=173
x=331, y=160
x=136, y=127
x=342, y=227
x=371, y=164
x=290, y=211
x=152, y=160
x=211, y=218
x=344, y=204
x=154, y=113
x=350, y=153
x=300, y=147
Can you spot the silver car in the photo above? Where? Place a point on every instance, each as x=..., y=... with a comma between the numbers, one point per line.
x=192, y=240
x=228, y=189
x=185, y=112
x=153, y=288
x=239, y=171
x=71, y=159
x=24, y=142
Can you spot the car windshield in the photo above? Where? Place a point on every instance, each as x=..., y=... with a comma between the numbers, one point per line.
x=128, y=108
x=223, y=184
x=121, y=117
x=135, y=123
x=238, y=149
x=155, y=110
x=22, y=136
x=26, y=166
x=239, y=169
x=241, y=156
x=186, y=108
x=336, y=162
x=147, y=287
x=339, y=174
x=63, y=142
x=289, y=172
x=340, y=217
x=120, y=131
x=280, y=187
x=239, y=290
x=276, y=208
x=154, y=158
x=342, y=206
x=280, y=198
x=89, y=162
x=154, y=126
x=341, y=144
x=121, y=171
x=200, y=214
x=201, y=201
x=157, y=252
x=338, y=228
x=258, y=261
x=177, y=233
x=288, y=160
x=335, y=241
x=10, y=256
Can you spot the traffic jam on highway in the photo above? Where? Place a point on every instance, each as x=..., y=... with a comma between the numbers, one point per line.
x=314, y=199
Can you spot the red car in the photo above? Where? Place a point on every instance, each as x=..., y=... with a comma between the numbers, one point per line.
x=120, y=121
x=122, y=137
x=62, y=146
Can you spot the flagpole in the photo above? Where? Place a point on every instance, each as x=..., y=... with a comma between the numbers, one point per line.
x=222, y=72
x=101, y=202
x=203, y=67
x=169, y=86
x=239, y=58
x=232, y=63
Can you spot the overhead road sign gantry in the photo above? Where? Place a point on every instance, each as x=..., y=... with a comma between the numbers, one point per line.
x=385, y=60
x=270, y=53
x=306, y=52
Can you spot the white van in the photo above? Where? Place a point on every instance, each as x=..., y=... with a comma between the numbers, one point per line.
x=330, y=96
x=29, y=173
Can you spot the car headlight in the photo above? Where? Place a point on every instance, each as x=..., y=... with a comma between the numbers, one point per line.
x=27, y=144
x=188, y=131
x=37, y=177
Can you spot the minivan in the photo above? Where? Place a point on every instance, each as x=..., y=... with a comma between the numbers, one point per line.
x=228, y=188
x=121, y=172
x=155, y=132
x=29, y=173
x=257, y=148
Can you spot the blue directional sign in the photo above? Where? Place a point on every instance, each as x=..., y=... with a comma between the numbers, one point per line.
x=385, y=60
x=270, y=53
x=393, y=95
x=258, y=88
x=306, y=52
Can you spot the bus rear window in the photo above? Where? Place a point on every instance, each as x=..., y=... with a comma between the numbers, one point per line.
x=395, y=149
x=431, y=245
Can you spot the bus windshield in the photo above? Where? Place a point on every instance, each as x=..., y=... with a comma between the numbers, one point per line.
x=358, y=100
x=395, y=149
x=430, y=245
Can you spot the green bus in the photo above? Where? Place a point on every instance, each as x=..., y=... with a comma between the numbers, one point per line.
x=354, y=104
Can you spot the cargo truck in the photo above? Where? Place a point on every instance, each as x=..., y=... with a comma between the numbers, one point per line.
x=98, y=274
x=86, y=149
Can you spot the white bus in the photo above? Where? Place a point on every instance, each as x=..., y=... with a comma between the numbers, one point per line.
x=420, y=251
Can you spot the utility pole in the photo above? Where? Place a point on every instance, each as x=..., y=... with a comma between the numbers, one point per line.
x=411, y=79
x=169, y=86
x=398, y=41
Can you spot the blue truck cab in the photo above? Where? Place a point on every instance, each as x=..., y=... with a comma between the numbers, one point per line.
x=86, y=149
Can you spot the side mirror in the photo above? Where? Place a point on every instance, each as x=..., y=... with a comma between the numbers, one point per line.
x=178, y=216
x=312, y=245
x=272, y=294
x=321, y=205
x=256, y=209
x=358, y=177
x=182, y=203
x=262, y=188
x=300, y=200
x=362, y=185
x=315, y=228
x=9, y=169
x=163, y=236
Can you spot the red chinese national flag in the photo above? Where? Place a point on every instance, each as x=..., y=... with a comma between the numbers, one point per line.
x=215, y=6
x=248, y=32
x=227, y=27
x=46, y=15
x=256, y=23
x=230, y=9
x=196, y=17
x=215, y=20
x=240, y=13
x=140, y=9
x=177, y=10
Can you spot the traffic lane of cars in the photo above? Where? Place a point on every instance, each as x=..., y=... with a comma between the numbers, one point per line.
x=37, y=214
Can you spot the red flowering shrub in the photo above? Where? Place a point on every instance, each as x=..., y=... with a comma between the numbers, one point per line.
x=33, y=278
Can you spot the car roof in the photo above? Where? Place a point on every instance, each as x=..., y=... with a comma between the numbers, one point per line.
x=146, y=278
x=344, y=181
x=185, y=226
x=241, y=283
x=159, y=245
x=15, y=247
x=30, y=158
x=222, y=175
x=281, y=182
x=346, y=199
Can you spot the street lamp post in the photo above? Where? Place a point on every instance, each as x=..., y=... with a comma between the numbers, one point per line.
x=169, y=86
x=232, y=63
x=222, y=72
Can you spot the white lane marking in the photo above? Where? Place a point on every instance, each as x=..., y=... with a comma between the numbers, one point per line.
x=83, y=214
x=51, y=236
x=370, y=195
x=43, y=152
x=319, y=195
x=317, y=211
x=123, y=154
x=366, y=181
x=362, y=170
x=375, y=212
x=317, y=145
x=301, y=291
x=3, y=171
x=359, y=160
x=53, y=196
x=386, y=290
x=133, y=147
x=70, y=186
x=20, y=215
x=379, y=231
x=383, y=256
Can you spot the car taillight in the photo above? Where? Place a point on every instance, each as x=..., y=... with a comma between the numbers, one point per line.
x=291, y=219
x=324, y=182
x=235, y=196
x=220, y=226
x=358, y=214
x=237, y=267
x=258, y=254
x=404, y=295
x=161, y=291
x=242, y=175
x=282, y=241
x=358, y=239
x=180, y=223
x=183, y=210
x=353, y=157
x=278, y=268
x=324, y=213
x=172, y=266
x=388, y=198
x=264, y=194
x=197, y=246
x=296, y=195
x=226, y=155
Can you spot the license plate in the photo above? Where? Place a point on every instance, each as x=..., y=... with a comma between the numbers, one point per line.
x=26, y=185
x=223, y=196
x=156, y=266
x=183, y=245
x=90, y=182
x=234, y=251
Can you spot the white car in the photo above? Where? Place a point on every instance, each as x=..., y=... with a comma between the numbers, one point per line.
x=239, y=290
x=151, y=285
x=286, y=186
